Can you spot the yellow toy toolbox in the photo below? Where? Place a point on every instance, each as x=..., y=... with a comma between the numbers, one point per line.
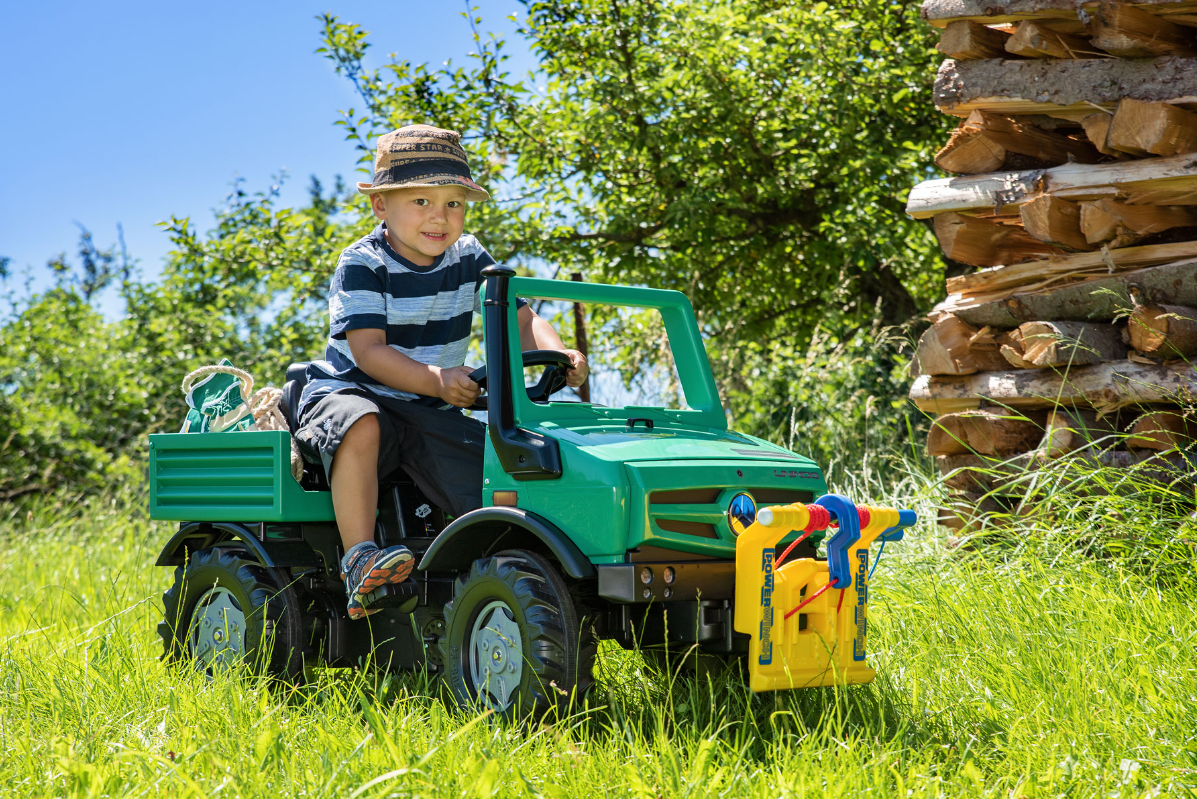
x=808, y=618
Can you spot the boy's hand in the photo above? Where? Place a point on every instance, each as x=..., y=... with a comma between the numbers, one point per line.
x=455, y=387
x=578, y=369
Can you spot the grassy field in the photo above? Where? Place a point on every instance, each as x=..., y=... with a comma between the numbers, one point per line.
x=1038, y=666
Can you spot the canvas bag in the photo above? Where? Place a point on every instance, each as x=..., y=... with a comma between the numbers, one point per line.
x=219, y=400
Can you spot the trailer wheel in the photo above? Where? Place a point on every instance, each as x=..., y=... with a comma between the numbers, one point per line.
x=514, y=642
x=225, y=612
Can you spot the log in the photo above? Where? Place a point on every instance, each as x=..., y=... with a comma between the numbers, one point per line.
x=1150, y=181
x=1055, y=222
x=1123, y=30
x=952, y=347
x=977, y=473
x=1099, y=298
x=981, y=242
x=1040, y=273
x=1097, y=126
x=985, y=432
x=1162, y=430
x=983, y=141
x=969, y=152
x=1057, y=344
x=997, y=12
x=1110, y=220
x=1142, y=128
x=1106, y=387
x=1170, y=330
x=965, y=40
x=1067, y=88
x=1036, y=40
x=1068, y=431
x=1012, y=351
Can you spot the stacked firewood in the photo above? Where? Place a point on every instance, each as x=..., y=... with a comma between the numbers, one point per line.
x=1071, y=225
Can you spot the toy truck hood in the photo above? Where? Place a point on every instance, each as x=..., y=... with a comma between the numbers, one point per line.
x=614, y=441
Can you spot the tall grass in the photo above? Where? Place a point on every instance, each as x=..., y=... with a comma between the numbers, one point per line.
x=1026, y=667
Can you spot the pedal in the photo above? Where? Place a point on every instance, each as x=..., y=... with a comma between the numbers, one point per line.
x=403, y=597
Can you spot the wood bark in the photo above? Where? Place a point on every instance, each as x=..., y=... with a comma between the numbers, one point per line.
x=1162, y=430
x=1149, y=181
x=1106, y=387
x=1123, y=30
x=1036, y=40
x=1170, y=330
x=1055, y=222
x=982, y=242
x=1099, y=298
x=1057, y=344
x=1065, y=88
x=1035, y=274
x=1068, y=431
x=985, y=432
x=1142, y=128
x=965, y=40
x=953, y=347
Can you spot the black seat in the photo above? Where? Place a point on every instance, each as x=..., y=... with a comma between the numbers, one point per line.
x=297, y=378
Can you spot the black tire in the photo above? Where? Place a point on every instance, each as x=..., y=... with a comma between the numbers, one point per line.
x=557, y=646
x=228, y=584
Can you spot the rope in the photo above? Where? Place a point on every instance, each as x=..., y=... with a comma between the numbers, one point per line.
x=840, y=604
x=877, y=560
x=247, y=381
x=264, y=405
x=810, y=599
x=790, y=548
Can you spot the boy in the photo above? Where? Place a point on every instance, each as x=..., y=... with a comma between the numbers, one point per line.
x=389, y=392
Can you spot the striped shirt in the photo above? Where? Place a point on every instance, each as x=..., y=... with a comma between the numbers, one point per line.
x=425, y=311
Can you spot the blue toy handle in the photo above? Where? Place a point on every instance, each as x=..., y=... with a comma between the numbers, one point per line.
x=906, y=518
x=839, y=570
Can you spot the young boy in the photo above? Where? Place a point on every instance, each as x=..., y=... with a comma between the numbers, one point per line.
x=389, y=392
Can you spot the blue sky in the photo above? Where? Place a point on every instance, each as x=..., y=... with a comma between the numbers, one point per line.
x=130, y=112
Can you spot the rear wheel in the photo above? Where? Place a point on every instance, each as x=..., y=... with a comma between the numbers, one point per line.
x=225, y=611
x=514, y=641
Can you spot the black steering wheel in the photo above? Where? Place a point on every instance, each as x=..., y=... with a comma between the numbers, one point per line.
x=552, y=381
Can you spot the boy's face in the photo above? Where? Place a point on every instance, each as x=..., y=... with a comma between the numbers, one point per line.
x=421, y=223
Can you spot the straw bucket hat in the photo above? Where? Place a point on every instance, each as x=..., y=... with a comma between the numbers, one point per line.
x=421, y=156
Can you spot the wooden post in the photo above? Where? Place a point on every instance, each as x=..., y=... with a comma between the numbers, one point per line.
x=580, y=343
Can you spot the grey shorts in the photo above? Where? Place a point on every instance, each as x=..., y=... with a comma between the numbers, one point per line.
x=441, y=450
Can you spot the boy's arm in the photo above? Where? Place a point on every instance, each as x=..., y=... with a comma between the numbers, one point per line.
x=537, y=334
x=392, y=368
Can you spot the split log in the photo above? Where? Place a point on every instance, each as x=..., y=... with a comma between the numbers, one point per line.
x=1067, y=88
x=968, y=152
x=1099, y=298
x=953, y=347
x=1068, y=431
x=1036, y=40
x=983, y=141
x=1012, y=351
x=985, y=432
x=1112, y=221
x=1106, y=387
x=1142, y=128
x=1151, y=181
x=1097, y=127
x=1057, y=344
x=1123, y=30
x=982, y=242
x=997, y=12
x=1170, y=330
x=1035, y=274
x=1162, y=430
x=1054, y=221
x=965, y=40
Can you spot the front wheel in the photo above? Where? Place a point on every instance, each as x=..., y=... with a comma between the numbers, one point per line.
x=514, y=642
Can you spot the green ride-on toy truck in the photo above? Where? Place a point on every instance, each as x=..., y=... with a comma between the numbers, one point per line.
x=616, y=523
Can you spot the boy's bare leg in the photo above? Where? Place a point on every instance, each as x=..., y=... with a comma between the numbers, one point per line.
x=354, y=481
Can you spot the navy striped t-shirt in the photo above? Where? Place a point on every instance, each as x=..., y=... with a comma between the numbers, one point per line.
x=426, y=311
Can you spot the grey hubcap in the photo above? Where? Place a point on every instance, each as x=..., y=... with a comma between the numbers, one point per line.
x=217, y=639
x=496, y=656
